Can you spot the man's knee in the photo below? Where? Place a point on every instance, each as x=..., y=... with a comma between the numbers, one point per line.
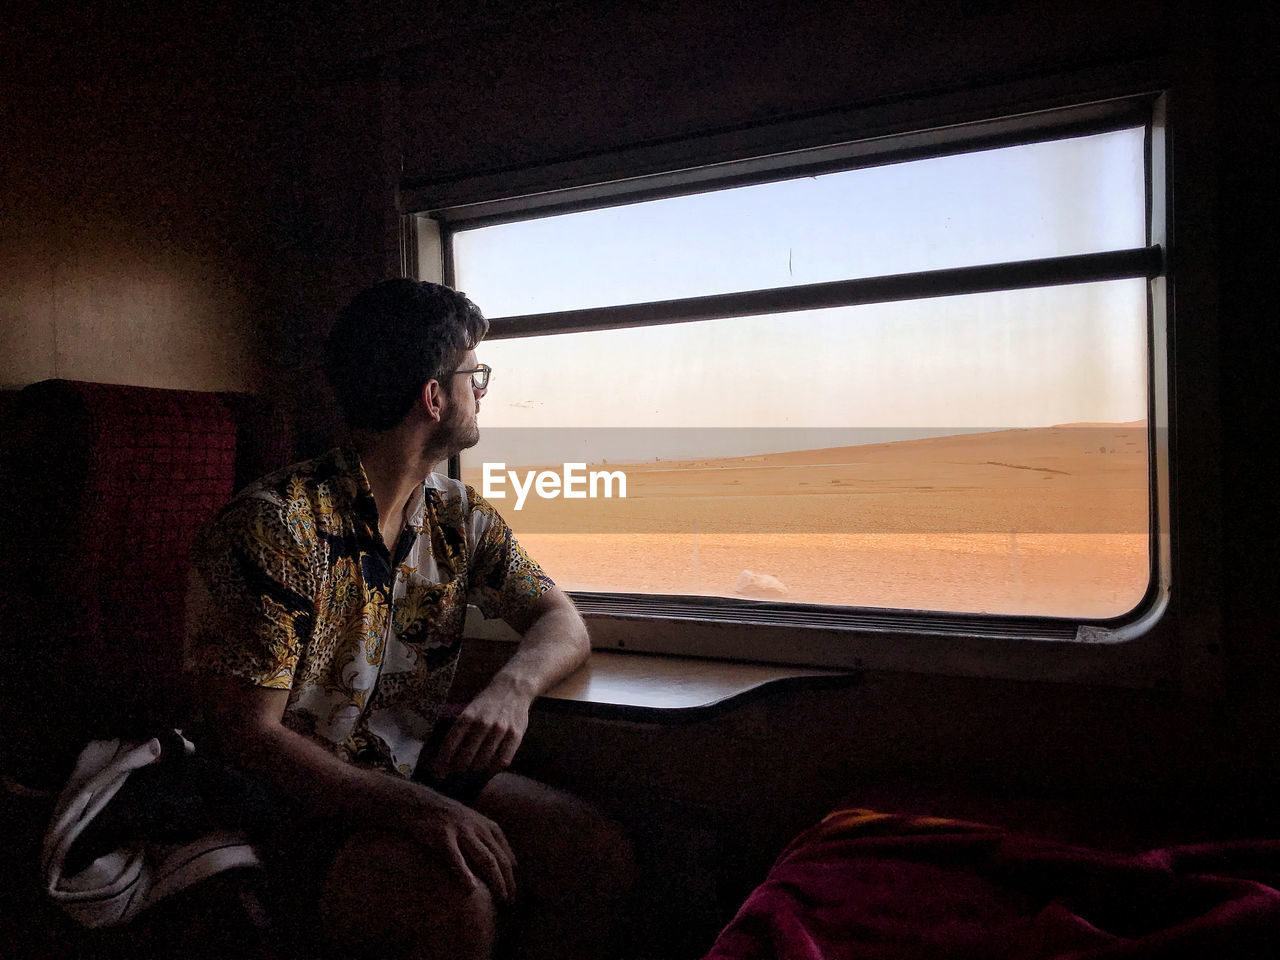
x=567, y=849
x=384, y=895
x=453, y=918
x=607, y=848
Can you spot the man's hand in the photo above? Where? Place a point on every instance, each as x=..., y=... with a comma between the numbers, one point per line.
x=246, y=724
x=486, y=734
x=472, y=844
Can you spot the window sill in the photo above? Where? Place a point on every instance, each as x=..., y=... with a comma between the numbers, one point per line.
x=643, y=686
x=726, y=659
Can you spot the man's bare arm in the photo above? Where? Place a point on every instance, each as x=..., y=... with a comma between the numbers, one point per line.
x=246, y=722
x=488, y=732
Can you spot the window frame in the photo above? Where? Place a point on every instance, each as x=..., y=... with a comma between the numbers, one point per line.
x=1130, y=650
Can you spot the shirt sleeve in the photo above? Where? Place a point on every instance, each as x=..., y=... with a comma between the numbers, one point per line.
x=505, y=582
x=249, y=611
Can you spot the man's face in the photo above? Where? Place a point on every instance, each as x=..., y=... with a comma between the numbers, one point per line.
x=459, y=429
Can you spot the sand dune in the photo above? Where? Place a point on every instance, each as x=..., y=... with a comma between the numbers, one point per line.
x=1047, y=521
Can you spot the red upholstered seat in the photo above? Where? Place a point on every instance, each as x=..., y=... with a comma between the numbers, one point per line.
x=107, y=488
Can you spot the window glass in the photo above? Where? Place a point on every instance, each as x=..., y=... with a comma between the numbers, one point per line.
x=1048, y=199
x=982, y=453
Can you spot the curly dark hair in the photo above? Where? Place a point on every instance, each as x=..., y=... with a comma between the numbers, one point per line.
x=390, y=340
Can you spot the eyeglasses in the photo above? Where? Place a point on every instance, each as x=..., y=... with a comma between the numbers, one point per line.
x=479, y=375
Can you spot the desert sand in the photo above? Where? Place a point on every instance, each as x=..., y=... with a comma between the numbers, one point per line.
x=1046, y=521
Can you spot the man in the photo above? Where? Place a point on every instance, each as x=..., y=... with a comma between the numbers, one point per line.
x=325, y=625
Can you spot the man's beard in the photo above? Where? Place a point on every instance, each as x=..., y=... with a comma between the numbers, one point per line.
x=459, y=434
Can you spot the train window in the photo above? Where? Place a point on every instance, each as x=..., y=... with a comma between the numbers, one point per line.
x=920, y=385
x=1079, y=195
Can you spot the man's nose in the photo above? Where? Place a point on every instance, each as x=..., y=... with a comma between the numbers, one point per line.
x=479, y=391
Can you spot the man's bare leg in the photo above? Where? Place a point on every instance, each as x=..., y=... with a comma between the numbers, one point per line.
x=573, y=870
x=385, y=896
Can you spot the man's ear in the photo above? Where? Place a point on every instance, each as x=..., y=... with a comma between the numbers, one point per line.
x=432, y=398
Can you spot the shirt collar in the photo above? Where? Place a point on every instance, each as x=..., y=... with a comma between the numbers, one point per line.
x=356, y=485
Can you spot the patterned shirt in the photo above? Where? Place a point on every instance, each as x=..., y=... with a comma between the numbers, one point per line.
x=294, y=587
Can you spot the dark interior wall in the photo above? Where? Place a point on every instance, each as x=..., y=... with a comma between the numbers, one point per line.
x=186, y=196
x=136, y=219
x=186, y=203
x=573, y=79
x=1248, y=143
x=338, y=232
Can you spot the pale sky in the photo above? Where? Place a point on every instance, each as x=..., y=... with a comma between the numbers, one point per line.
x=1016, y=359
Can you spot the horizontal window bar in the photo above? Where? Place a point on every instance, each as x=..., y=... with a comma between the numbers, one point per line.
x=1052, y=271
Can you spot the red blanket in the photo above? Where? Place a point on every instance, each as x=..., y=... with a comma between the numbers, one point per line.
x=877, y=886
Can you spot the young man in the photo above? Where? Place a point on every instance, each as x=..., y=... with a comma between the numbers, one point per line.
x=325, y=625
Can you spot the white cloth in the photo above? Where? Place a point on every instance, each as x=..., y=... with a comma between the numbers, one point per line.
x=117, y=886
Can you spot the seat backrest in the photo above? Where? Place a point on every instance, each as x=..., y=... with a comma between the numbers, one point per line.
x=108, y=487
